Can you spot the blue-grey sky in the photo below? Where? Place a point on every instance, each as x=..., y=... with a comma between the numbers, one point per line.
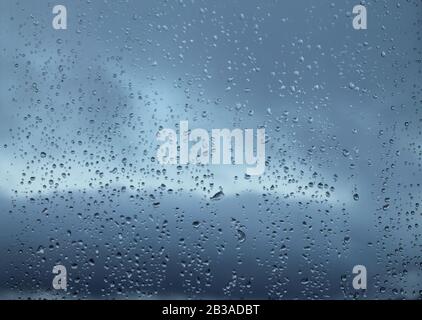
x=80, y=185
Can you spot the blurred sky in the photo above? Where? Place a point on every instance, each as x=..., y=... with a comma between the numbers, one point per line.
x=80, y=185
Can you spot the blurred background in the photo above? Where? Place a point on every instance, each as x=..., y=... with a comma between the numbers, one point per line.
x=80, y=185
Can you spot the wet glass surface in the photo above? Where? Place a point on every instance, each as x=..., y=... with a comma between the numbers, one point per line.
x=81, y=186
